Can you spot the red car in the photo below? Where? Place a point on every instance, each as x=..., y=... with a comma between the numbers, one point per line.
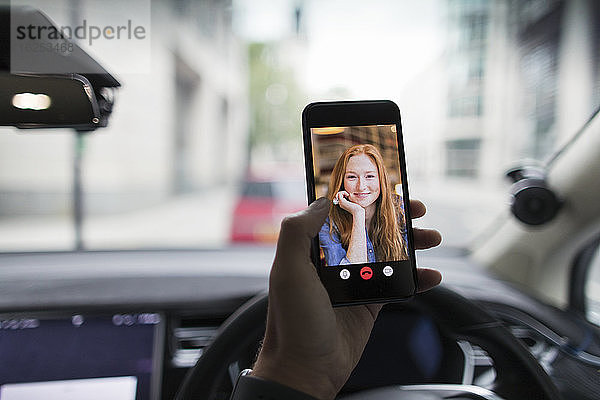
x=261, y=207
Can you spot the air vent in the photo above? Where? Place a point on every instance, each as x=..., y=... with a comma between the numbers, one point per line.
x=189, y=338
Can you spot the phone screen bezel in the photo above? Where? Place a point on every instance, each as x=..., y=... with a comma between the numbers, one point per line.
x=357, y=113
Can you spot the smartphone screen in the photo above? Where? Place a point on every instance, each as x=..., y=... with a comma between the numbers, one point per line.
x=354, y=156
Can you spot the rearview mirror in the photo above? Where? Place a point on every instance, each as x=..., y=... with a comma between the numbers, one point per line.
x=48, y=101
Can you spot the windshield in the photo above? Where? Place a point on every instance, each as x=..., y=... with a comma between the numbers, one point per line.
x=207, y=119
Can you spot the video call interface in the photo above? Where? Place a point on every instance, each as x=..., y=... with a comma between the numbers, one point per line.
x=78, y=357
x=357, y=167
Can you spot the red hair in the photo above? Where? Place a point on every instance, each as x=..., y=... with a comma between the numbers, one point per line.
x=384, y=231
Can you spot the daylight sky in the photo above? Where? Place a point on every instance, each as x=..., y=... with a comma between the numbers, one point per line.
x=370, y=48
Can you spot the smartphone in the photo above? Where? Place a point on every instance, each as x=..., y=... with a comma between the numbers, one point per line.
x=354, y=155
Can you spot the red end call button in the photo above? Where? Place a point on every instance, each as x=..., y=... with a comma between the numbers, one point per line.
x=366, y=273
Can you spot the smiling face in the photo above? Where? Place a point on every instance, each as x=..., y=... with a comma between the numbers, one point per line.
x=361, y=180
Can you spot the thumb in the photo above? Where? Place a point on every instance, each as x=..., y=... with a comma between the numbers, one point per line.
x=297, y=230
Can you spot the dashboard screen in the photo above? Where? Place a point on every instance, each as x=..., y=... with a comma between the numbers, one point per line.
x=80, y=356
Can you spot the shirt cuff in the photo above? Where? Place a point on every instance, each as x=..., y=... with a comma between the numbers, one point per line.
x=250, y=387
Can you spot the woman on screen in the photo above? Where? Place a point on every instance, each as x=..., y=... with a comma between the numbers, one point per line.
x=365, y=223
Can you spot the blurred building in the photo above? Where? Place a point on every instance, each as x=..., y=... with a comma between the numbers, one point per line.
x=559, y=47
x=518, y=78
x=180, y=127
x=537, y=68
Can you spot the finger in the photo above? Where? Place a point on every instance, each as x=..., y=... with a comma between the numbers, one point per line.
x=295, y=291
x=426, y=238
x=297, y=230
x=307, y=222
x=345, y=202
x=417, y=208
x=428, y=278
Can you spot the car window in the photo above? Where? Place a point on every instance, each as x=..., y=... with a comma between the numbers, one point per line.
x=212, y=94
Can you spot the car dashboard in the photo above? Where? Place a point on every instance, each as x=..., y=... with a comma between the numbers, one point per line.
x=119, y=319
x=132, y=323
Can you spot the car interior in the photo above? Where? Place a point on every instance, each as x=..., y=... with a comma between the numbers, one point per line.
x=88, y=312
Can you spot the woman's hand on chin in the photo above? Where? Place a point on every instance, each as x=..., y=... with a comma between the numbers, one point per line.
x=353, y=208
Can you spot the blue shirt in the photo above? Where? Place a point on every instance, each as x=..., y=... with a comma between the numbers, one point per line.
x=332, y=248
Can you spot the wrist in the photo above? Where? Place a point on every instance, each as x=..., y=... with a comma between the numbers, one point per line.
x=250, y=387
x=359, y=214
x=301, y=378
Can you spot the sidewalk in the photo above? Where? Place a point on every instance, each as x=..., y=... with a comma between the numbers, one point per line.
x=191, y=221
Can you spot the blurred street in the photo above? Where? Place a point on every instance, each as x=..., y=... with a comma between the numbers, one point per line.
x=188, y=221
x=458, y=210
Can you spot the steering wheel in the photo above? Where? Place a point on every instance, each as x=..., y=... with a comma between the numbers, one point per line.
x=519, y=375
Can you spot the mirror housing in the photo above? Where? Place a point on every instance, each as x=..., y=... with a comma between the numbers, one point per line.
x=48, y=89
x=48, y=101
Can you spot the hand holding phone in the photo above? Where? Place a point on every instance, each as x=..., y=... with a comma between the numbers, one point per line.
x=325, y=343
x=354, y=155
